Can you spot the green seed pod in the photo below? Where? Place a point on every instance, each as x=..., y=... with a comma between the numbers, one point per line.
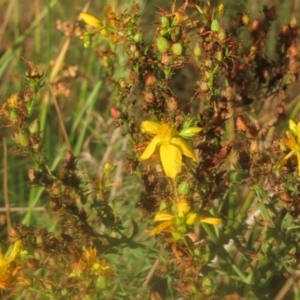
x=138, y=37
x=215, y=25
x=177, y=49
x=183, y=188
x=23, y=139
x=162, y=44
x=34, y=127
x=13, y=115
x=219, y=56
x=165, y=22
x=197, y=50
x=194, y=289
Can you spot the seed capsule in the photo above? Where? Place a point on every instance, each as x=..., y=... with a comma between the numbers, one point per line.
x=23, y=139
x=177, y=49
x=172, y=104
x=34, y=127
x=114, y=112
x=215, y=25
x=164, y=21
x=198, y=50
x=149, y=78
x=138, y=37
x=241, y=124
x=162, y=44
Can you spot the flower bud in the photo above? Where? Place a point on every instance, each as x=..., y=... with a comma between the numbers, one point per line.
x=189, y=132
x=245, y=19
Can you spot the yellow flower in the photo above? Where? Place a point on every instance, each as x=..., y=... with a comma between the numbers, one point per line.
x=180, y=218
x=90, y=264
x=292, y=141
x=171, y=146
x=6, y=272
x=91, y=20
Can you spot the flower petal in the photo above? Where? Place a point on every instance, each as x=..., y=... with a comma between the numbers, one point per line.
x=298, y=133
x=171, y=159
x=162, y=216
x=298, y=158
x=290, y=142
x=191, y=218
x=184, y=147
x=293, y=127
x=209, y=220
x=162, y=227
x=284, y=160
x=150, y=127
x=90, y=20
x=150, y=148
x=182, y=207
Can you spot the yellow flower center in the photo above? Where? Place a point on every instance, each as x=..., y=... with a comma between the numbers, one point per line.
x=167, y=132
